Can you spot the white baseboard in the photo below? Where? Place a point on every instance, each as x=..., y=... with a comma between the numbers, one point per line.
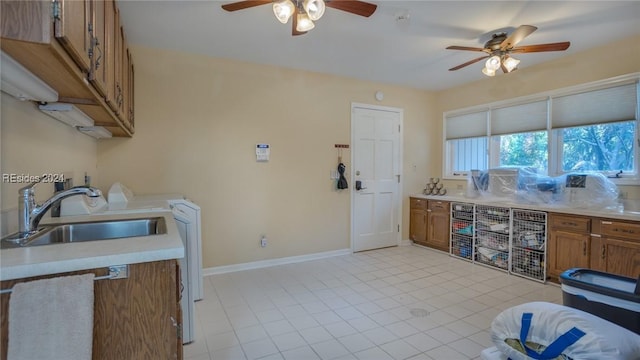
x=406, y=242
x=272, y=262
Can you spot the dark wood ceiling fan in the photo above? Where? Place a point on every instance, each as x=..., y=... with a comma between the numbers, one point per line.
x=501, y=45
x=356, y=7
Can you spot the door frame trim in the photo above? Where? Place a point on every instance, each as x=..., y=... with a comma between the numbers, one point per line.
x=400, y=112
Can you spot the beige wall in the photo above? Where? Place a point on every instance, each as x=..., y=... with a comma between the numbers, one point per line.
x=615, y=59
x=34, y=143
x=197, y=122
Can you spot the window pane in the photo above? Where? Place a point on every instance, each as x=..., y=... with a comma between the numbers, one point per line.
x=603, y=147
x=468, y=154
x=525, y=149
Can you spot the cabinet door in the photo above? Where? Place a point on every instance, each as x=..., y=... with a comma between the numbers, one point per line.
x=137, y=317
x=131, y=97
x=438, y=230
x=616, y=256
x=111, y=21
x=71, y=28
x=418, y=226
x=567, y=250
x=99, y=54
x=116, y=60
x=124, y=104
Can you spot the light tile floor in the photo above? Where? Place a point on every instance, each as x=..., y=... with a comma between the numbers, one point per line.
x=397, y=303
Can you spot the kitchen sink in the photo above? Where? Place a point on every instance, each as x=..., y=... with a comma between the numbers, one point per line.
x=88, y=231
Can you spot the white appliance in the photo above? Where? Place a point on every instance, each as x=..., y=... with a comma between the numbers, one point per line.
x=122, y=197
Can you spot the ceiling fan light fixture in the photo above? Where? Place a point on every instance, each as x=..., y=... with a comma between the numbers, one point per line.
x=304, y=23
x=493, y=63
x=488, y=72
x=283, y=10
x=314, y=8
x=510, y=63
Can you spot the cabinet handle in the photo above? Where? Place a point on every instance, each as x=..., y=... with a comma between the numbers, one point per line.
x=584, y=248
x=603, y=251
x=97, y=46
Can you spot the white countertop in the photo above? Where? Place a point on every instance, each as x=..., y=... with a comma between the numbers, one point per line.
x=51, y=259
x=622, y=214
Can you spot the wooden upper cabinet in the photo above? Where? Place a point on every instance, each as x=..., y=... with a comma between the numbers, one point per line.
x=76, y=47
x=72, y=21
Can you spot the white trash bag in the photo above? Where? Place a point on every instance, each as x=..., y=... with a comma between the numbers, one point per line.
x=546, y=331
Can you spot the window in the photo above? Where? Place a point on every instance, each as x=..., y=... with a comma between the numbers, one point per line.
x=603, y=147
x=468, y=154
x=592, y=127
x=524, y=149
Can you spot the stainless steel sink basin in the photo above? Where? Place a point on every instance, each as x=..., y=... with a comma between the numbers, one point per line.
x=89, y=231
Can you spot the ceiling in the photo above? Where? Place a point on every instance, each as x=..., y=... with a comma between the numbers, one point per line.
x=380, y=48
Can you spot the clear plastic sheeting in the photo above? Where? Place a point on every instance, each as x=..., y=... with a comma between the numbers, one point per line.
x=526, y=186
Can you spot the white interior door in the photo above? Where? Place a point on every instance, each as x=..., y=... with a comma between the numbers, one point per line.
x=376, y=165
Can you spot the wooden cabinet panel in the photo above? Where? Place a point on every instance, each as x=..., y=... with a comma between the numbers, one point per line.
x=418, y=226
x=567, y=250
x=620, y=230
x=71, y=27
x=570, y=223
x=134, y=318
x=420, y=204
x=621, y=257
x=438, y=230
x=439, y=206
x=99, y=53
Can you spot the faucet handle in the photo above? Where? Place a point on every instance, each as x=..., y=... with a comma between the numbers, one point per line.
x=29, y=188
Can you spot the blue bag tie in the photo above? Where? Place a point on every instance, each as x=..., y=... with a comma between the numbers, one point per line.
x=557, y=346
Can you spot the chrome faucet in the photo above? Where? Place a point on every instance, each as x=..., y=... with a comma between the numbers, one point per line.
x=31, y=213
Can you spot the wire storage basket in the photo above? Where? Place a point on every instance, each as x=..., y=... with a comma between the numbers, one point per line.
x=491, y=245
x=462, y=230
x=529, y=244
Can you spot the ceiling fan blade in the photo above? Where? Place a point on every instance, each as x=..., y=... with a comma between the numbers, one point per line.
x=244, y=4
x=468, y=63
x=294, y=24
x=454, y=47
x=353, y=6
x=559, y=46
x=518, y=35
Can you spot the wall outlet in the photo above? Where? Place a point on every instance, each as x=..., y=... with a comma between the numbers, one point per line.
x=459, y=187
x=263, y=241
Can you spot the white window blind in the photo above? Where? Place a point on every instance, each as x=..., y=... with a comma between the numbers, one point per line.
x=466, y=126
x=519, y=118
x=613, y=104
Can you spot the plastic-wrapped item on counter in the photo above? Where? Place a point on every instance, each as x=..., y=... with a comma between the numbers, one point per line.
x=526, y=185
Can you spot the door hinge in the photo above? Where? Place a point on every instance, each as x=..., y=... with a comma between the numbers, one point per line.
x=56, y=10
x=398, y=128
x=398, y=227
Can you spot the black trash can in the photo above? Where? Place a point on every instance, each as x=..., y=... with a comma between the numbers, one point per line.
x=612, y=297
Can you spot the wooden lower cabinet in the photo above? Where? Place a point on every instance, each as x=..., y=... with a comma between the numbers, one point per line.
x=418, y=221
x=616, y=256
x=607, y=245
x=429, y=223
x=134, y=318
x=438, y=225
x=567, y=250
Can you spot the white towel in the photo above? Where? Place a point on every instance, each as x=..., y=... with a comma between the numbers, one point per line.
x=51, y=319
